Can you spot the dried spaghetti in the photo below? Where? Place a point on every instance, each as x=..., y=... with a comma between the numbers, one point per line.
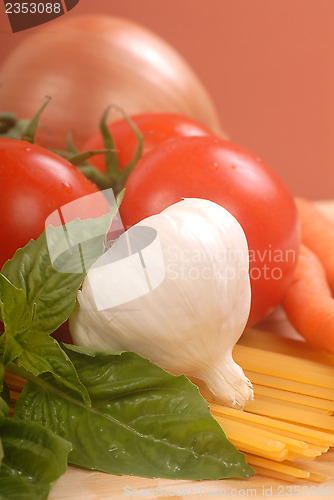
x=290, y=422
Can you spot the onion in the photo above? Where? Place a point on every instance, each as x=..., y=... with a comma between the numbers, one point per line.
x=86, y=63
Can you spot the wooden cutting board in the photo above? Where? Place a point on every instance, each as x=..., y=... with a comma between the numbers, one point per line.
x=90, y=485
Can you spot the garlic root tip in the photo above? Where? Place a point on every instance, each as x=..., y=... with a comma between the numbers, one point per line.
x=228, y=385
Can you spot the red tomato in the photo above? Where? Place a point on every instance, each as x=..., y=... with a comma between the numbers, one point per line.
x=217, y=170
x=154, y=127
x=34, y=183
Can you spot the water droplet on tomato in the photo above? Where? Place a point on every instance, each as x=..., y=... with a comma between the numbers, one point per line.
x=67, y=187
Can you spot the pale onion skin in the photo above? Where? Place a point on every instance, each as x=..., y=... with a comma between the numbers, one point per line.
x=187, y=326
x=107, y=60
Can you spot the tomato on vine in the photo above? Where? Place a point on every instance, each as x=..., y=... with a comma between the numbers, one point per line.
x=154, y=128
x=34, y=183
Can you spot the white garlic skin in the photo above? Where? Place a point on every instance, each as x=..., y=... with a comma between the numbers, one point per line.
x=190, y=323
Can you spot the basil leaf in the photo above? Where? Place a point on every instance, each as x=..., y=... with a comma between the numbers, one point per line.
x=36, y=297
x=142, y=421
x=4, y=395
x=38, y=353
x=2, y=376
x=42, y=354
x=51, y=285
x=11, y=348
x=4, y=404
x=4, y=409
x=33, y=458
x=2, y=454
x=17, y=316
x=14, y=487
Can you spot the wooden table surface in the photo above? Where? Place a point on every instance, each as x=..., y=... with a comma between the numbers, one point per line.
x=80, y=484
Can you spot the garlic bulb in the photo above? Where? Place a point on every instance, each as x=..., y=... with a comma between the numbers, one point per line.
x=175, y=289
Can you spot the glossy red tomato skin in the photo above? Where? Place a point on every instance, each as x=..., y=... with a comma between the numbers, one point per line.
x=156, y=127
x=210, y=168
x=34, y=183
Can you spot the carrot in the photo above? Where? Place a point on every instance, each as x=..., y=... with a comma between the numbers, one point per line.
x=317, y=233
x=308, y=302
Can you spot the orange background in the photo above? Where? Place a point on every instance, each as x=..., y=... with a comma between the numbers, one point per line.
x=268, y=65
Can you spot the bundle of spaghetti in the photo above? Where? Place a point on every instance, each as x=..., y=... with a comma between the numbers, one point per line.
x=284, y=366
x=290, y=422
x=274, y=448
